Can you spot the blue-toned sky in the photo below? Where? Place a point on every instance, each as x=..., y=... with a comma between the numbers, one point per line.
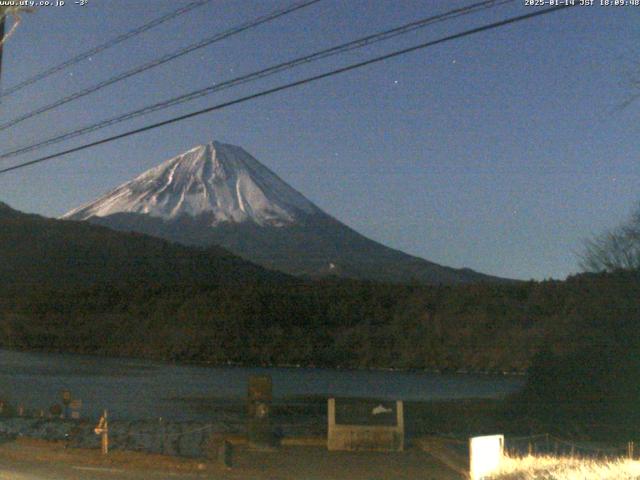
x=499, y=152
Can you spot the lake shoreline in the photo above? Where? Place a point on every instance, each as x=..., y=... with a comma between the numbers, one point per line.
x=230, y=364
x=138, y=389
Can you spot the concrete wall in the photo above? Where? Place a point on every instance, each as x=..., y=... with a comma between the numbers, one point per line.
x=365, y=437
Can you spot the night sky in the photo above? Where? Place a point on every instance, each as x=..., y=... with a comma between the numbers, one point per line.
x=498, y=152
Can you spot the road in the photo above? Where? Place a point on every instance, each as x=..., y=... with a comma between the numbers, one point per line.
x=26, y=459
x=37, y=460
x=45, y=471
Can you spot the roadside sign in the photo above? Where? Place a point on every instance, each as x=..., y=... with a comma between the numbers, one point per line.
x=75, y=406
x=485, y=455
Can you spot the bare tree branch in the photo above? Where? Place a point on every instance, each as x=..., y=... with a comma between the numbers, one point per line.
x=632, y=81
x=15, y=13
x=618, y=249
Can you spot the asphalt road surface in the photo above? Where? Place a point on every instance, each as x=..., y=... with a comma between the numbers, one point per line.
x=44, y=471
x=26, y=459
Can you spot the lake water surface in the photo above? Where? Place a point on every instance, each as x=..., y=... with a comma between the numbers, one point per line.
x=141, y=389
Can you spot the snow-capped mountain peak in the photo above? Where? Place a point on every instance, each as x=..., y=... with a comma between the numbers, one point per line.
x=218, y=194
x=218, y=181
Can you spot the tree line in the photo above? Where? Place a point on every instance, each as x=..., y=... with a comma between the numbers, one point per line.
x=482, y=327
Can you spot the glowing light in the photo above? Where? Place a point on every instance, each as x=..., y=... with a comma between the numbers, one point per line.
x=485, y=455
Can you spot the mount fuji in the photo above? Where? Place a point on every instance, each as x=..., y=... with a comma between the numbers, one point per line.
x=219, y=194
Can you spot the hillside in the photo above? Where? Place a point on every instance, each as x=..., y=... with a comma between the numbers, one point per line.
x=46, y=252
x=76, y=287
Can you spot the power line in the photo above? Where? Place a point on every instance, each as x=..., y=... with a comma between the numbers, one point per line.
x=287, y=86
x=160, y=61
x=105, y=46
x=319, y=55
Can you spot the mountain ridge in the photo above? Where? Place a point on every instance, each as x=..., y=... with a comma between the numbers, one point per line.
x=39, y=250
x=218, y=194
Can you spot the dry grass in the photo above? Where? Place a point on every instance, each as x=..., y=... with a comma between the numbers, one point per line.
x=566, y=468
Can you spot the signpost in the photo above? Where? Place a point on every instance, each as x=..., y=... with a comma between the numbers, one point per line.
x=75, y=406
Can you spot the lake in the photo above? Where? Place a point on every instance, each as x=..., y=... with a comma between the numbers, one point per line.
x=142, y=389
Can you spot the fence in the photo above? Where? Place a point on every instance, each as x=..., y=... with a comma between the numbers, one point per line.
x=289, y=419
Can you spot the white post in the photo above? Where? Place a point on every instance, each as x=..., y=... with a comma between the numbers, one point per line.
x=105, y=435
x=331, y=419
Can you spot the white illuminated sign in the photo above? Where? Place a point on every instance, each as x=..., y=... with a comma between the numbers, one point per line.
x=485, y=455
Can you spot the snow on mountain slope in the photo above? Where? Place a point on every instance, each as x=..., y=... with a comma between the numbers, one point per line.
x=218, y=180
x=218, y=194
